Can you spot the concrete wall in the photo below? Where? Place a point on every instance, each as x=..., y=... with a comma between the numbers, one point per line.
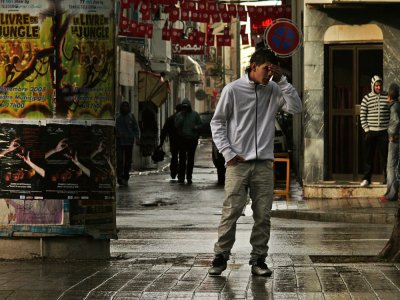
x=75, y=247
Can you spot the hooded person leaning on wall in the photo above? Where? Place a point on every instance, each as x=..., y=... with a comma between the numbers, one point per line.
x=374, y=117
x=392, y=187
x=187, y=123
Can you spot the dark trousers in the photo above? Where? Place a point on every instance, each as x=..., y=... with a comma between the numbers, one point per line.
x=173, y=165
x=375, y=141
x=124, y=161
x=187, y=150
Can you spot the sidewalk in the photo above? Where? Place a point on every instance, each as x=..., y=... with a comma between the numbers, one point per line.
x=153, y=276
x=164, y=250
x=349, y=210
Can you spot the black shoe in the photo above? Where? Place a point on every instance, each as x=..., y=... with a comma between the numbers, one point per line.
x=260, y=268
x=218, y=265
x=189, y=181
x=181, y=181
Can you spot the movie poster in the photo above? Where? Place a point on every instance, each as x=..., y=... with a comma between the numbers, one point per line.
x=85, y=87
x=26, y=51
x=21, y=160
x=67, y=160
x=34, y=212
x=102, y=183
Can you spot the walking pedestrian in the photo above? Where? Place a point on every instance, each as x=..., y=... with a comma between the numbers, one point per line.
x=243, y=129
x=393, y=151
x=374, y=119
x=127, y=132
x=187, y=122
x=171, y=131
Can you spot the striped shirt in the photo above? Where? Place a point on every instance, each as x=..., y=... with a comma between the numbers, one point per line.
x=375, y=113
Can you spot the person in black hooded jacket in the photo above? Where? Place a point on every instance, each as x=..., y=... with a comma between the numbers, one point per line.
x=170, y=130
x=187, y=122
x=127, y=131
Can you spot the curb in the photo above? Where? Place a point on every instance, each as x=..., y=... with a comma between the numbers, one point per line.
x=335, y=216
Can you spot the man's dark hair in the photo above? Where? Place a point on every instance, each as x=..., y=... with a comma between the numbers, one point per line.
x=393, y=92
x=262, y=56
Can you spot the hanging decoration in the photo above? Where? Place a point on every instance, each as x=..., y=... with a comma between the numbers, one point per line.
x=200, y=11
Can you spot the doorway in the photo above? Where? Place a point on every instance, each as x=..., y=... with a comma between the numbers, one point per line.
x=350, y=70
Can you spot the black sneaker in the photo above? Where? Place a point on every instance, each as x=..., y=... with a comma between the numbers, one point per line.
x=218, y=265
x=260, y=268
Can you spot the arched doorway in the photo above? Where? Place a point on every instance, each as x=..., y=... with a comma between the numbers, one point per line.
x=354, y=55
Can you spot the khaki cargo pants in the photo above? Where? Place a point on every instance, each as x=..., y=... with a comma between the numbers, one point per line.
x=257, y=177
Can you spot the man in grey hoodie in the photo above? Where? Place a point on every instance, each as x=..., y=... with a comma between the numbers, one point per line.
x=243, y=129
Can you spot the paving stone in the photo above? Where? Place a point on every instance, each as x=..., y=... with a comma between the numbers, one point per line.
x=331, y=280
x=180, y=295
x=337, y=296
x=388, y=295
x=154, y=296
x=393, y=276
x=310, y=296
x=355, y=282
x=120, y=295
x=307, y=280
x=284, y=280
x=285, y=296
x=363, y=296
x=205, y=297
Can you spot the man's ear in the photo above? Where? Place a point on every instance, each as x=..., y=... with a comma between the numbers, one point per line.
x=253, y=66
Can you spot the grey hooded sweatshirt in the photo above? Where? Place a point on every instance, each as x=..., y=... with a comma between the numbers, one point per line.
x=244, y=120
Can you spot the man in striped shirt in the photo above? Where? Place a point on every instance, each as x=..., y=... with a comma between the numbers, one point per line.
x=375, y=115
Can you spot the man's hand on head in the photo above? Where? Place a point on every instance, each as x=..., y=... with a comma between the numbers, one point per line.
x=276, y=72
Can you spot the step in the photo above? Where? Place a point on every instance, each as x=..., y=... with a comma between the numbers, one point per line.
x=343, y=189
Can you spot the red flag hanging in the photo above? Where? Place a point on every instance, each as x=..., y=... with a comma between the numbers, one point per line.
x=232, y=10
x=123, y=24
x=220, y=40
x=174, y=14
x=125, y=4
x=245, y=39
x=201, y=38
x=141, y=29
x=216, y=17
x=149, y=30
x=166, y=32
x=184, y=15
x=176, y=34
x=195, y=15
x=242, y=13
x=242, y=29
x=288, y=12
x=133, y=27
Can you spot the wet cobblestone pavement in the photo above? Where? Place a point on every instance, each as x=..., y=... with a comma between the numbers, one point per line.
x=184, y=276
x=166, y=236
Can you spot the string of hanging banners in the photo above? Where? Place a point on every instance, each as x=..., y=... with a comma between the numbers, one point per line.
x=209, y=12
